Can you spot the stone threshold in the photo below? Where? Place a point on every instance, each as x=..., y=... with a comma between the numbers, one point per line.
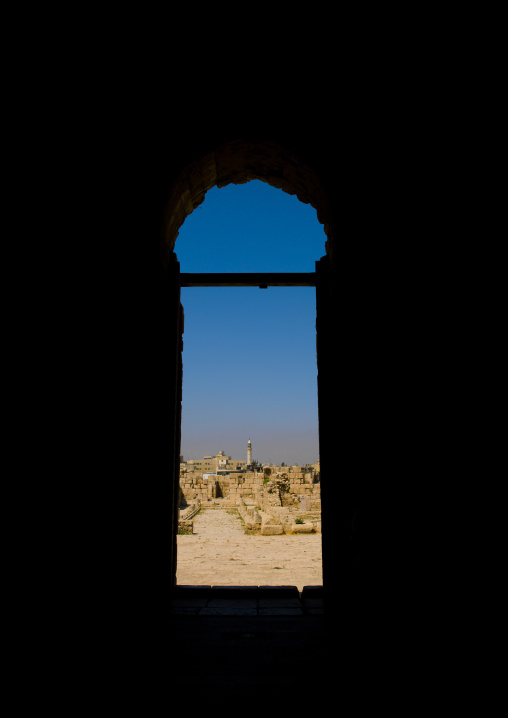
x=247, y=601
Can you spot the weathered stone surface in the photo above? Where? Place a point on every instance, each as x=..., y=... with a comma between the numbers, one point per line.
x=305, y=528
x=220, y=553
x=305, y=503
x=252, y=528
x=271, y=529
x=259, y=499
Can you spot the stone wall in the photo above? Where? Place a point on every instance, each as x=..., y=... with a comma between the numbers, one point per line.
x=264, y=515
x=235, y=485
x=230, y=487
x=251, y=517
x=258, y=505
x=185, y=516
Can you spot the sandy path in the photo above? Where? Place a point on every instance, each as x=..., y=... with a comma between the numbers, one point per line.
x=220, y=554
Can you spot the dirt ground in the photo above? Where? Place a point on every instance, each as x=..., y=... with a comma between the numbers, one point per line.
x=220, y=554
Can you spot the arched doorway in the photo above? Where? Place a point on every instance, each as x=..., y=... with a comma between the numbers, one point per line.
x=237, y=162
x=249, y=369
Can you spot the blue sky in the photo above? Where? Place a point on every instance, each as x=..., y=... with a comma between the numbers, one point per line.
x=249, y=357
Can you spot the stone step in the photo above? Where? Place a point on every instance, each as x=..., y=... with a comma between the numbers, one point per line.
x=247, y=600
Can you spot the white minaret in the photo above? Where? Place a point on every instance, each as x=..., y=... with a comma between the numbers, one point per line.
x=249, y=453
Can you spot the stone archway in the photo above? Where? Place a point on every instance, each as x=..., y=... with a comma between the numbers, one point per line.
x=240, y=161
x=237, y=162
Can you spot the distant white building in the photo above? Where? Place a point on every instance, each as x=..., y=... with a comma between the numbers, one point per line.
x=213, y=465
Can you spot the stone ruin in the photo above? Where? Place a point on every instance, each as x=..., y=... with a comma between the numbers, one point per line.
x=270, y=503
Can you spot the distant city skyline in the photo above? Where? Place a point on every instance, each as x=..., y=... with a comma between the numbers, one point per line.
x=249, y=356
x=242, y=455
